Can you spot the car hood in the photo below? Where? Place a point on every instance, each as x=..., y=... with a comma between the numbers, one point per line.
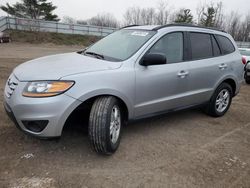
x=57, y=66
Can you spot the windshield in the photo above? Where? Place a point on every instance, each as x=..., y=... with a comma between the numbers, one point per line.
x=245, y=52
x=119, y=45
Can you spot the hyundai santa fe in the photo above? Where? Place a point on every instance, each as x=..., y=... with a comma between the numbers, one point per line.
x=135, y=72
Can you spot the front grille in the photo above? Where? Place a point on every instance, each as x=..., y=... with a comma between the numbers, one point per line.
x=11, y=85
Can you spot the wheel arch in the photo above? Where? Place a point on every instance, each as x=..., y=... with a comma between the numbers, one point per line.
x=87, y=101
x=231, y=81
x=110, y=92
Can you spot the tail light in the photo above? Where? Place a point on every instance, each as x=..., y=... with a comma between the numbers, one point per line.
x=244, y=60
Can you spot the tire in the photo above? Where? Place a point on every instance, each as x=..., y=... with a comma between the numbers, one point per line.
x=105, y=115
x=221, y=107
x=247, y=79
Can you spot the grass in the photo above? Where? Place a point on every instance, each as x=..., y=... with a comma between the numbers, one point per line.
x=35, y=37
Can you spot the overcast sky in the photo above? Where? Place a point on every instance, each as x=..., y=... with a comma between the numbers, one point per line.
x=84, y=9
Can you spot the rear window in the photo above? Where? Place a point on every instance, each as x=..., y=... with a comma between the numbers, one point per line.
x=226, y=45
x=201, y=45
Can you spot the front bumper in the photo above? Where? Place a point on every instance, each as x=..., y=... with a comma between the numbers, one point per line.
x=54, y=110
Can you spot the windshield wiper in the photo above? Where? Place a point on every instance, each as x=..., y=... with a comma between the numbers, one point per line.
x=99, y=56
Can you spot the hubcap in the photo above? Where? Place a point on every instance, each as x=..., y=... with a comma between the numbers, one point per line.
x=115, y=124
x=222, y=100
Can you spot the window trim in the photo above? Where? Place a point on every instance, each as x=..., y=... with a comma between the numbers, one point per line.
x=213, y=37
x=185, y=47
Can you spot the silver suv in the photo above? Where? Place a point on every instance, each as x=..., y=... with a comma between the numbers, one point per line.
x=134, y=73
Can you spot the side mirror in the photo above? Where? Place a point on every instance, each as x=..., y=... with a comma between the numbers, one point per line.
x=153, y=59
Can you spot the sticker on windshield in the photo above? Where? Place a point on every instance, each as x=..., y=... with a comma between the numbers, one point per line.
x=139, y=33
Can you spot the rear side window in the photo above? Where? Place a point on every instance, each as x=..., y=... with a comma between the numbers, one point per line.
x=201, y=45
x=216, y=49
x=226, y=45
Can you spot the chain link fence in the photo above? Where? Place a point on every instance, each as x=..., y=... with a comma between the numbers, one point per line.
x=243, y=44
x=50, y=26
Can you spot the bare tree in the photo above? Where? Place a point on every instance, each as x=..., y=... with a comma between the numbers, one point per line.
x=246, y=28
x=104, y=20
x=147, y=16
x=162, y=13
x=132, y=16
x=219, y=16
x=233, y=24
x=68, y=20
x=82, y=22
x=139, y=16
x=200, y=9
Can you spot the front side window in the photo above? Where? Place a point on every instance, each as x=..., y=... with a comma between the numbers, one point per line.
x=171, y=45
x=120, y=45
x=201, y=45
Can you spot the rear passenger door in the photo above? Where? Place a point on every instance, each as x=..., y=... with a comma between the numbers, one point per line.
x=207, y=66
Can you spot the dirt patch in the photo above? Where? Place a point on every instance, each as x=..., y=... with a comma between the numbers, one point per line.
x=184, y=149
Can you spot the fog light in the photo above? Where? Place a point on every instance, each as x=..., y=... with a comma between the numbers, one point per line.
x=35, y=126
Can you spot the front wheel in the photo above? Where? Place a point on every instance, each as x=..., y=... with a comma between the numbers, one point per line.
x=220, y=101
x=105, y=124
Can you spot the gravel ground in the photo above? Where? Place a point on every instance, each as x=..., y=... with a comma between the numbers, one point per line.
x=184, y=149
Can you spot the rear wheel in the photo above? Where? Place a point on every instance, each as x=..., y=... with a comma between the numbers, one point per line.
x=220, y=101
x=105, y=124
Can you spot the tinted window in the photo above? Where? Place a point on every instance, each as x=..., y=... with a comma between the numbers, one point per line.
x=226, y=45
x=201, y=45
x=216, y=49
x=171, y=45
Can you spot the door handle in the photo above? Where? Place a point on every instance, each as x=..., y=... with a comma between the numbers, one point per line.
x=222, y=66
x=183, y=74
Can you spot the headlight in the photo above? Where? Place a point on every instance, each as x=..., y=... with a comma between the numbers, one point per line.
x=46, y=88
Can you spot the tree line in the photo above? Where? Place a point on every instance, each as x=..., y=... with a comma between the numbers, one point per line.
x=206, y=14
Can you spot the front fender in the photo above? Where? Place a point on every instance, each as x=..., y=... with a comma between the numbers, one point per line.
x=111, y=92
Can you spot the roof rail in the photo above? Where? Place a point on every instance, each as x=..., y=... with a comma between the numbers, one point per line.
x=129, y=26
x=187, y=25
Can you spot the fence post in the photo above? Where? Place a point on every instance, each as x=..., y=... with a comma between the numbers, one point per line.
x=7, y=22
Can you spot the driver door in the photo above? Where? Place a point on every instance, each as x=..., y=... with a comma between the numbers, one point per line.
x=163, y=87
